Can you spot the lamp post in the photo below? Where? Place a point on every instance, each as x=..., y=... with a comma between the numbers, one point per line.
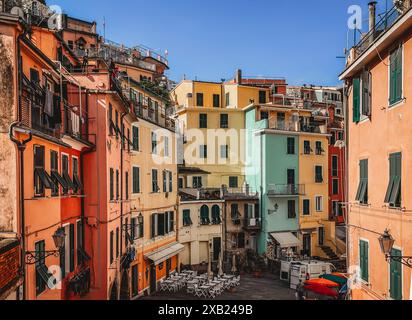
x=33, y=257
x=387, y=242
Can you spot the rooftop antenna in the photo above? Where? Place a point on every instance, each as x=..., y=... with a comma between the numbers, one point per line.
x=104, y=28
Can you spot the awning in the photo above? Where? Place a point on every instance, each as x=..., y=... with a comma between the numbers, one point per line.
x=286, y=239
x=159, y=256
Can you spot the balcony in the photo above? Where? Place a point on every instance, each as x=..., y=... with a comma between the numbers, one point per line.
x=253, y=224
x=286, y=190
x=240, y=193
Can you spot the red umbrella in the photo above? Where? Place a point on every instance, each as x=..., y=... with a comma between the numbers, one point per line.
x=322, y=283
x=322, y=290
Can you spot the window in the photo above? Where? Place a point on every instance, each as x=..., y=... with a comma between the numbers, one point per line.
x=180, y=182
x=319, y=148
x=204, y=215
x=291, y=177
x=110, y=117
x=170, y=221
x=264, y=115
x=70, y=43
x=54, y=171
x=135, y=281
x=319, y=203
x=135, y=138
x=117, y=242
x=42, y=180
x=69, y=250
x=203, y=152
x=224, y=152
x=117, y=123
x=216, y=101
x=155, y=184
x=199, y=99
x=34, y=76
x=170, y=181
x=197, y=182
x=227, y=99
x=111, y=184
x=306, y=207
x=167, y=146
x=111, y=247
x=117, y=185
x=136, y=180
x=127, y=185
x=291, y=146
x=395, y=86
x=65, y=174
x=216, y=215
x=224, y=121
x=394, y=194
x=364, y=260
x=396, y=276
x=164, y=181
x=203, y=121
x=141, y=229
x=366, y=94
x=78, y=186
x=233, y=182
x=262, y=97
x=42, y=273
x=240, y=240
x=80, y=243
x=335, y=187
x=291, y=209
x=154, y=143
x=187, y=220
x=234, y=213
x=307, y=148
x=362, y=194
x=128, y=140
x=161, y=224
x=335, y=166
x=332, y=138
x=319, y=174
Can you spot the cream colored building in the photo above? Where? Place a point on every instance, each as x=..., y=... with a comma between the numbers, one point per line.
x=200, y=227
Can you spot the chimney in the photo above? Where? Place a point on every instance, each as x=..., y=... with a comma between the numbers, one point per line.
x=238, y=76
x=372, y=15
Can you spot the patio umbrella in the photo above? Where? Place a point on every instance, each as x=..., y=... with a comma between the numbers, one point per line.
x=334, y=278
x=234, y=269
x=324, y=291
x=322, y=283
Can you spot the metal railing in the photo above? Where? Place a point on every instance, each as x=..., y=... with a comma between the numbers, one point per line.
x=253, y=223
x=386, y=22
x=286, y=189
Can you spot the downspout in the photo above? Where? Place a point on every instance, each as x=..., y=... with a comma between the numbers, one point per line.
x=346, y=136
x=21, y=146
x=121, y=182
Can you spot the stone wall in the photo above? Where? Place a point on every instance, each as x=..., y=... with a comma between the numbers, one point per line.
x=8, y=194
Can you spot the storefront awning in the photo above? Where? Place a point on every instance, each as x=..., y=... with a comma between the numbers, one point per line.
x=286, y=239
x=159, y=256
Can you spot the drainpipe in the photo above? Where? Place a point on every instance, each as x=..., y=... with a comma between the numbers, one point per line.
x=21, y=146
x=121, y=182
x=346, y=136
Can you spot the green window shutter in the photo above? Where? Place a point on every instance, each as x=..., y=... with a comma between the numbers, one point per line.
x=364, y=260
x=396, y=277
x=356, y=100
x=71, y=247
x=204, y=215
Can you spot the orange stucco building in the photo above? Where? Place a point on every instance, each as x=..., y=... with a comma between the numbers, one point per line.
x=378, y=83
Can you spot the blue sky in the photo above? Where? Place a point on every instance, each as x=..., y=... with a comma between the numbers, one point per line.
x=298, y=40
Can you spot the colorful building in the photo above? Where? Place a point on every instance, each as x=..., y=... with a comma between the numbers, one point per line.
x=377, y=85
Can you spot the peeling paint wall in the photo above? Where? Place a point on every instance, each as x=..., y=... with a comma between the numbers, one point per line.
x=8, y=178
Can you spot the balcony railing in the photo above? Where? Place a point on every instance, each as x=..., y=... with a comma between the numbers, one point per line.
x=292, y=126
x=253, y=223
x=286, y=189
x=385, y=23
x=244, y=191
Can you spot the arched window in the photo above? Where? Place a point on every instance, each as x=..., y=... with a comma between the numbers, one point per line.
x=216, y=215
x=204, y=215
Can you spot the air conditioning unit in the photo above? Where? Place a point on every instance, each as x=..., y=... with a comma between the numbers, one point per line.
x=189, y=95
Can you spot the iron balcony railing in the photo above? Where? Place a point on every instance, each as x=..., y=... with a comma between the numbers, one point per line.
x=385, y=23
x=253, y=223
x=286, y=189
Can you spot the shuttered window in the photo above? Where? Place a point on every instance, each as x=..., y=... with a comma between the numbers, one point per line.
x=204, y=215
x=111, y=184
x=111, y=247
x=356, y=99
x=396, y=277
x=216, y=215
x=395, y=86
x=203, y=121
x=366, y=94
x=136, y=180
x=362, y=194
x=364, y=260
x=393, y=194
x=291, y=209
x=199, y=99
x=187, y=220
x=291, y=146
x=135, y=139
x=319, y=174
x=306, y=207
x=216, y=101
x=224, y=121
x=71, y=245
x=155, y=183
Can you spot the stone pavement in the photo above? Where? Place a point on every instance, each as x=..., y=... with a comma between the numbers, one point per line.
x=267, y=288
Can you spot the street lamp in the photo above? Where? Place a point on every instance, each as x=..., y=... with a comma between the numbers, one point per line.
x=34, y=257
x=387, y=242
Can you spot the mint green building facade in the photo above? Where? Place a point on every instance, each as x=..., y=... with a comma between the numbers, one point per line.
x=273, y=170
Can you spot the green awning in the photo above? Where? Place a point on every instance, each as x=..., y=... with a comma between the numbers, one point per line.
x=336, y=279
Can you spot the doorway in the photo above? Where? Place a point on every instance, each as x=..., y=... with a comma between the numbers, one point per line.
x=307, y=245
x=168, y=267
x=153, y=279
